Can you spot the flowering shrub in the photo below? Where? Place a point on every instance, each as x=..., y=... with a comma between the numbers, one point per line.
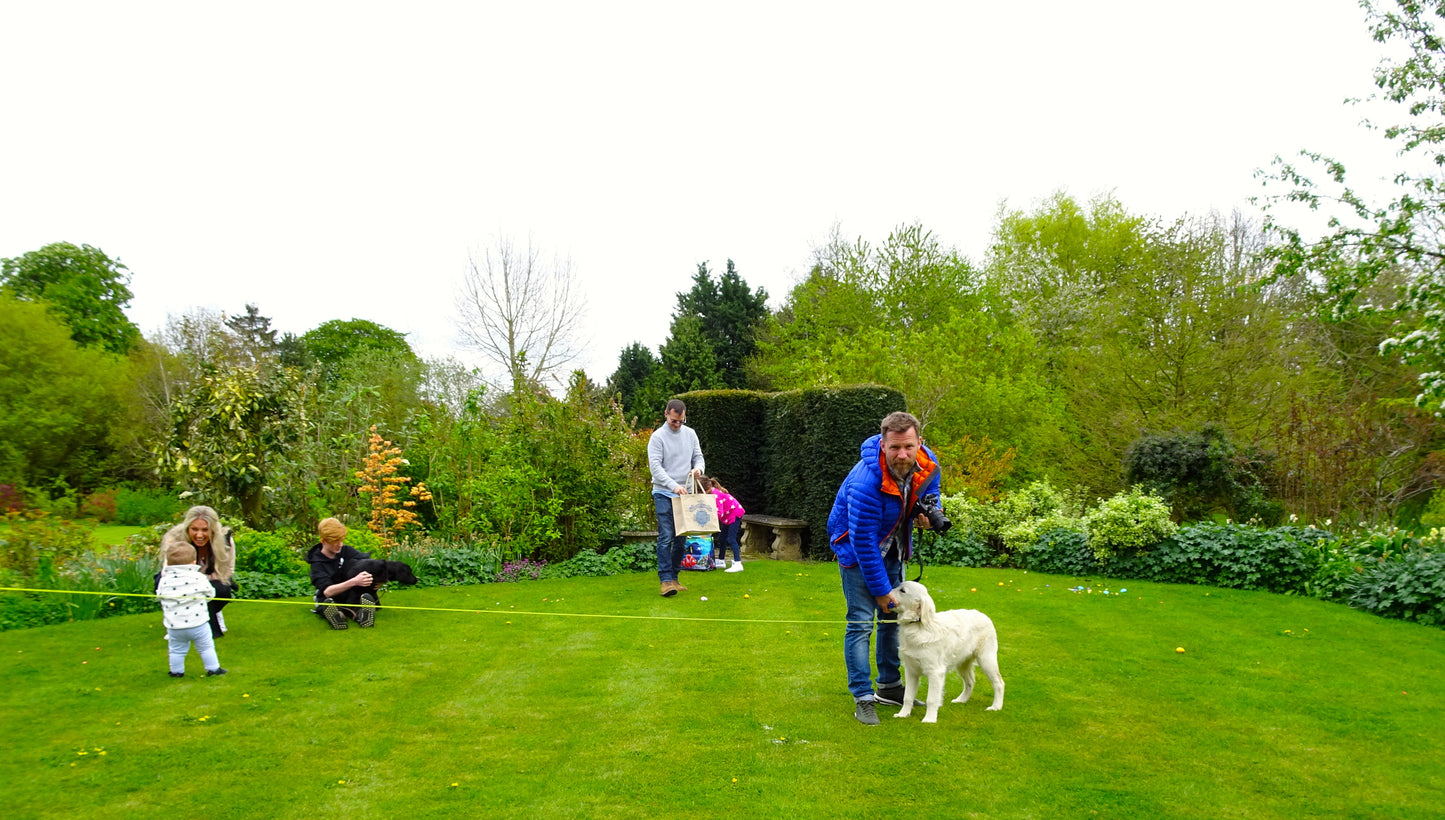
x=519, y=569
x=1133, y=520
x=99, y=505
x=35, y=543
x=392, y=503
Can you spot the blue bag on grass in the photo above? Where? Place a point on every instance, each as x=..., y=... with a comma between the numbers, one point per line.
x=698, y=554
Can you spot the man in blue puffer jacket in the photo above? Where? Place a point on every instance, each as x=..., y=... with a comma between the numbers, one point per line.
x=871, y=533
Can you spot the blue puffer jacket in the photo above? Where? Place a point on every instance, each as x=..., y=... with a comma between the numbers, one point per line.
x=867, y=508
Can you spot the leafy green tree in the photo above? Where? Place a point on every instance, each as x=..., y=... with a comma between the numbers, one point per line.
x=914, y=315
x=227, y=433
x=257, y=339
x=1146, y=326
x=1396, y=244
x=332, y=343
x=687, y=360
x=88, y=290
x=58, y=401
x=731, y=314
x=635, y=366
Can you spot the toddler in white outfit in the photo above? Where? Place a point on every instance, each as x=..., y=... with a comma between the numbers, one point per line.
x=183, y=592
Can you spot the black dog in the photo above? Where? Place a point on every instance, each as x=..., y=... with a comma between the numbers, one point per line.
x=381, y=571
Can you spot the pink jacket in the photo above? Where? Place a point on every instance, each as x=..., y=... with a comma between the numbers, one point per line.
x=728, y=508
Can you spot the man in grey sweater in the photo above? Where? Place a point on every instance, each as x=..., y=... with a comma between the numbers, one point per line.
x=673, y=453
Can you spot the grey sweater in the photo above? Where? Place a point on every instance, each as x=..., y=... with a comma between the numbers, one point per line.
x=671, y=456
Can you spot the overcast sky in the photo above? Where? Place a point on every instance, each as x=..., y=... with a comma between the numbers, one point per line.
x=338, y=160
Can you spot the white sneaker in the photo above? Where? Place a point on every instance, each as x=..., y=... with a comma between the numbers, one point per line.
x=736, y=567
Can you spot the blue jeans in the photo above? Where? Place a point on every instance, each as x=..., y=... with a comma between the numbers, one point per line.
x=728, y=538
x=861, y=610
x=670, y=547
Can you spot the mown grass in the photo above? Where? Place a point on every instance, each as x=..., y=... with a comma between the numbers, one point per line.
x=1279, y=707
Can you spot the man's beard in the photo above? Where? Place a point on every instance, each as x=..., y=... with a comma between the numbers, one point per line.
x=901, y=470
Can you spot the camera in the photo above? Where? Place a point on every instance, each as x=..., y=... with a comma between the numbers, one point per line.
x=929, y=507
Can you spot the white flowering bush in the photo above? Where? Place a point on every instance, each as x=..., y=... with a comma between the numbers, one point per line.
x=1131, y=520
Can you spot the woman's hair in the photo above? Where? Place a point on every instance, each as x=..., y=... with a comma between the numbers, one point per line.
x=331, y=531
x=206, y=514
x=182, y=553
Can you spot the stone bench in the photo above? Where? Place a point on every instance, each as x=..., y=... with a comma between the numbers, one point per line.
x=769, y=536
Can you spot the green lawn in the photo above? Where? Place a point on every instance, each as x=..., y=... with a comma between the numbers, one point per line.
x=1279, y=707
x=115, y=534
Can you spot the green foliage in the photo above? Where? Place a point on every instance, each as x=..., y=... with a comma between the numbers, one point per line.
x=332, y=343
x=359, y=538
x=809, y=441
x=438, y=562
x=1234, y=556
x=730, y=314
x=1383, y=258
x=145, y=506
x=964, y=549
x=1409, y=586
x=729, y=424
x=58, y=401
x=1200, y=472
x=266, y=585
x=620, y=559
x=85, y=288
x=1062, y=552
x=919, y=318
x=269, y=553
x=1015, y=522
x=1189, y=335
x=687, y=361
x=546, y=479
x=227, y=432
x=1130, y=521
x=36, y=544
x=635, y=366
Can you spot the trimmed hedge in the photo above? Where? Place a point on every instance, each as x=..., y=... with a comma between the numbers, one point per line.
x=787, y=453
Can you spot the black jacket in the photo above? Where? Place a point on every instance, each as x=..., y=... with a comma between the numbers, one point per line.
x=327, y=571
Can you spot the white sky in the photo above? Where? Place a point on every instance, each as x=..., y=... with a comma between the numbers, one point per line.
x=338, y=160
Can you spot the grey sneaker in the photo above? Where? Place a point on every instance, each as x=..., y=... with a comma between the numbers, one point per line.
x=866, y=713
x=365, y=615
x=211, y=673
x=333, y=616
x=893, y=696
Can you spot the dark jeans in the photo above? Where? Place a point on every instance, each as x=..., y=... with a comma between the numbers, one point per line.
x=728, y=538
x=224, y=593
x=670, y=547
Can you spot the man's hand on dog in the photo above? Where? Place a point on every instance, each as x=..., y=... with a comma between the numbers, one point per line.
x=362, y=579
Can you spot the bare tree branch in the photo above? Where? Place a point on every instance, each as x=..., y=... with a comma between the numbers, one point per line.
x=520, y=312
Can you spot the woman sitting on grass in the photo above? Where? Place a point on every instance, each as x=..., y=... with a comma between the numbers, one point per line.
x=215, y=553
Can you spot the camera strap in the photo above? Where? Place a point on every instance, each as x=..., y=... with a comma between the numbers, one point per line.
x=917, y=540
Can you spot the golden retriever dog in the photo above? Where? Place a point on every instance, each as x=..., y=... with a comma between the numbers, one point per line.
x=931, y=642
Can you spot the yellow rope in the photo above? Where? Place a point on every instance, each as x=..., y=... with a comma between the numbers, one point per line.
x=310, y=603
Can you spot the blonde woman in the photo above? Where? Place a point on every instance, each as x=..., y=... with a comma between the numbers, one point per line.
x=215, y=554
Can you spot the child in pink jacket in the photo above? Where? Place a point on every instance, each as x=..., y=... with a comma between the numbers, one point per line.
x=730, y=518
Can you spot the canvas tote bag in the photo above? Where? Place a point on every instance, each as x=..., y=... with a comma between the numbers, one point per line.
x=694, y=513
